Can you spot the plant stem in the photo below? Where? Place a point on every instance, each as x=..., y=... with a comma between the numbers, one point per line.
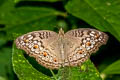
x=53, y=74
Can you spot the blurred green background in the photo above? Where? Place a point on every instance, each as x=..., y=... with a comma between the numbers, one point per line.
x=18, y=17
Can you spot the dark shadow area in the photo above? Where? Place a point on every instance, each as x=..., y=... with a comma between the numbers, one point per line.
x=2, y=26
x=55, y=5
x=107, y=54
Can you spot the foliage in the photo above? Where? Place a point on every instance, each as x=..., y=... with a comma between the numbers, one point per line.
x=21, y=16
x=111, y=70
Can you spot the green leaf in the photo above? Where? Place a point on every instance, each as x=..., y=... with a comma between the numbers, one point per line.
x=2, y=40
x=86, y=71
x=23, y=69
x=114, y=68
x=24, y=15
x=2, y=78
x=5, y=7
x=102, y=14
x=43, y=23
x=5, y=63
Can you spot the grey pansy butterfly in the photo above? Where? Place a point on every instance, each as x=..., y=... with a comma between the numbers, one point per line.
x=53, y=50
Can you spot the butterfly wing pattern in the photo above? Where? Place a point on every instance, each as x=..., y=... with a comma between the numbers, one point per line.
x=53, y=50
x=39, y=44
x=85, y=41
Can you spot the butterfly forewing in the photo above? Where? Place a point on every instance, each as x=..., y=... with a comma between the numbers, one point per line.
x=83, y=41
x=39, y=44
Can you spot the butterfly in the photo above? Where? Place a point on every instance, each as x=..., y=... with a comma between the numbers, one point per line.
x=53, y=50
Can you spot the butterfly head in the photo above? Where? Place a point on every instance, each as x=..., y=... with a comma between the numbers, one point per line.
x=61, y=32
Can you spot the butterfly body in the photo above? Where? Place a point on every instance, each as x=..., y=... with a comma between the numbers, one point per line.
x=54, y=50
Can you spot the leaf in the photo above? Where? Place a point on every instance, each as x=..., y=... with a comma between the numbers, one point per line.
x=24, y=15
x=23, y=69
x=2, y=40
x=44, y=23
x=5, y=7
x=101, y=14
x=5, y=61
x=114, y=68
x=2, y=78
x=86, y=71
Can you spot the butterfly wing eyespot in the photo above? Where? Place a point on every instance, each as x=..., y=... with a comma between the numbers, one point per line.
x=35, y=46
x=88, y=43
x=44, y=54
x=88, y=39
x=79, y=51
